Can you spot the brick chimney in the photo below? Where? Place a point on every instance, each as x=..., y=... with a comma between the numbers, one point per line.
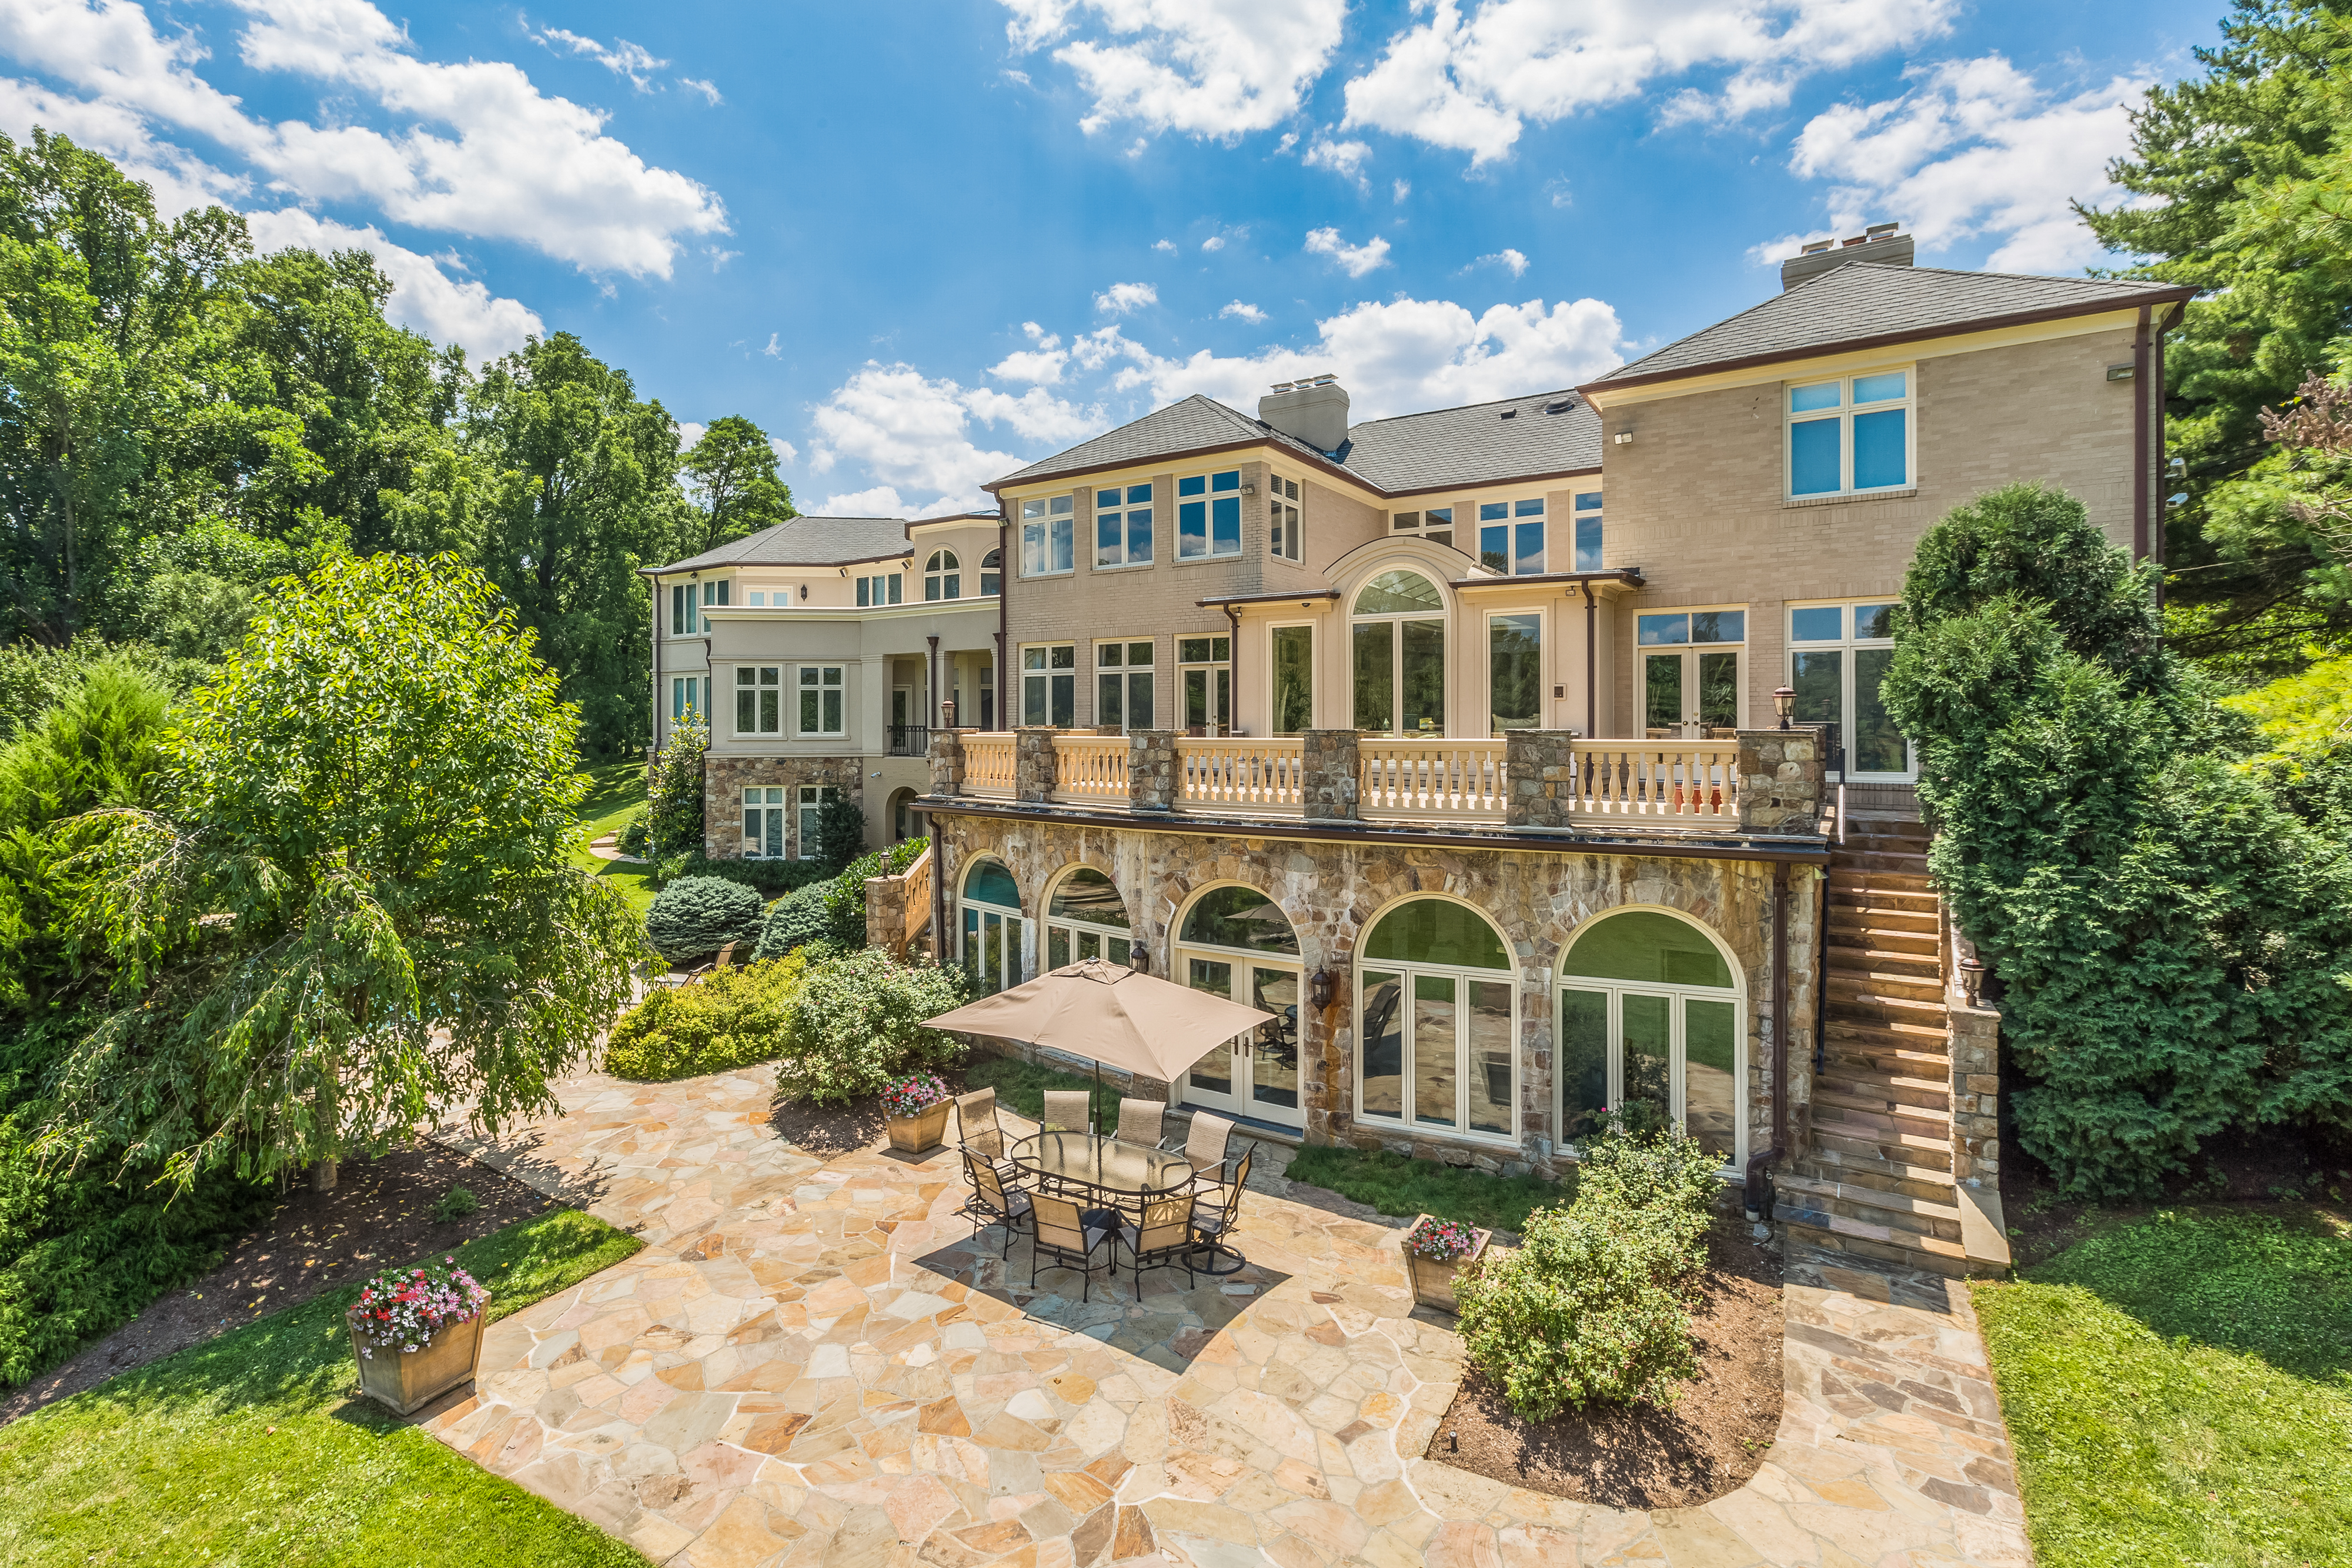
x=1878, y=243
x=1315, y=411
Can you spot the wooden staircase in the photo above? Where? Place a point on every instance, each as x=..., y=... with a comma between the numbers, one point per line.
x=1876, y=1183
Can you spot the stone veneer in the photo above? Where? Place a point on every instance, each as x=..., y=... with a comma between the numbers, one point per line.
x=724, y=779
x=1330, y=890
x=1780, y=781
x=1975, y=1091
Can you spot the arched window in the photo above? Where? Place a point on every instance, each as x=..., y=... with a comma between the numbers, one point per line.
x=1235, y=941
x=991, y=902
x=1398, y=655
x=992, y=573
x=903, y=823
x=1086, y=919
x=1439, y=1006
x=1651, y=1028
x=942, y=577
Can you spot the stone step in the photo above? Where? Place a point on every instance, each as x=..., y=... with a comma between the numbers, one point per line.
x=1865, y=1004
x=1875, y=958
x=1887, y=863
x=1899, y=1149
x=1845, y=881
x=1932, y=1089
x=1861, y=833
x=1848, y=983
x=1878, y=1244
x=1857, y=928
x=1872, y=1171
x=1928, y=1038
x=1859, y=1115
x=1867, y=1059
x=1893, y=1210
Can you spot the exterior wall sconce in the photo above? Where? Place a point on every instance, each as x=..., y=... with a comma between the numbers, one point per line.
x=803, y=590
x=1320, y=987
x=1139, y=960
x=1622, y=438
x=1972, y=974
x=1784, y=701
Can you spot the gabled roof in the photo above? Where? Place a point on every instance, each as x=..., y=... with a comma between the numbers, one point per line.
x=806, y=541
x=1864, y=304
x=1194, y=424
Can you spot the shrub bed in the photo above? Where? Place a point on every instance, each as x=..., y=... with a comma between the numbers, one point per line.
x=858, y=1021
x=726, y=1018
x=696, y=915
x=774, y=878
x=798, y=919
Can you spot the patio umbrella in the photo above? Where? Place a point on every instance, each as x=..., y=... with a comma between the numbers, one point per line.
x=1109, y=1013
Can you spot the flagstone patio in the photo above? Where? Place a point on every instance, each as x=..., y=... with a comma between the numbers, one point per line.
x=816, y=1364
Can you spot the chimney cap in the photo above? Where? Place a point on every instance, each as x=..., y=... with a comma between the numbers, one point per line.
x=1815, y=247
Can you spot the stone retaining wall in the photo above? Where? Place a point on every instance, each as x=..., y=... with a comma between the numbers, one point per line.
x=724, y=779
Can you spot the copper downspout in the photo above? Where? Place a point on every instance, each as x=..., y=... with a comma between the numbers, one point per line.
x=1760, y=1195
x=2141, y=476
x=932, y=678
x=1003, y=582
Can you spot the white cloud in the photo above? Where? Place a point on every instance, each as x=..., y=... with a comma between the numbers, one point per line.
x=884, y=501
x=689, y=431
x=1169, y=245
x=1345, y=158
x=624, y=59
x=1206, y=67
x=1472, y=82
x=1243, y=311
x=1355, y=259
x=1214, y=242
x=1975, y=148
x=786, y=453
x=907, y=431
x=476, y=151
x=1402, y=188
x=1506, y=258
x=1122, y=298
x=775, y=350
x=1042, y=365
x=424, y=297
x=703, y=84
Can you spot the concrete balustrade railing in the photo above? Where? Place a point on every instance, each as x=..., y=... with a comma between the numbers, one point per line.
x=1415, y=777
x=988, y=761
x=1240, y=774
x=1090, y=767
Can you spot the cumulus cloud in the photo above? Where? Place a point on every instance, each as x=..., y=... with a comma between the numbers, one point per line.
x=1355, y=260
x=424, y=297
x=1168, y=245
x=475, y=150
x=1205, y=67
x=1507, y=257
x=784, y=450
x=1122, y=298
x=1401, y=189
x=689, y=431
x=1241, y=310
x=1345, y=158
x=911, y=432
x=1214, y=242
x=1471, y=80
x=1975, y=148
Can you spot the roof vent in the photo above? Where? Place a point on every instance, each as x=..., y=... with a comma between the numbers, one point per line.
x=1880, y=243
x=1560, y=405
x=1314, y=411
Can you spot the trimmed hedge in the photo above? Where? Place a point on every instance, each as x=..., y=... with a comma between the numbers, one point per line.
x=697, y=916
x=726, y=1018
x=774, y=878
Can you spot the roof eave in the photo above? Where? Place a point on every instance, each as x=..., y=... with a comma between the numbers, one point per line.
x=1628, y=576
x=996, y=486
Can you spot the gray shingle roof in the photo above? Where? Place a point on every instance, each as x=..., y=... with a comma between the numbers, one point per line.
x=807, y=541
x=1185, y=426
x=1873, y=299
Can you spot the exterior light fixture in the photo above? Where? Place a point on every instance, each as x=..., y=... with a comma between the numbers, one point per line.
x=1320, y=987
x=1623, y=438
x=1784, y=700
x=1138, y=958
x=803, y=590
x=1972, y=974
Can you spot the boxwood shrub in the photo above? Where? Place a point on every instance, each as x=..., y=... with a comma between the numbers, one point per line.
x=772, y=878
x=797, y=919
x=696, y=915
x=726, y=1018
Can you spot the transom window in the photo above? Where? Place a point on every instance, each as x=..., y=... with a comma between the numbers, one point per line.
x=1651, y=1030
x=759, y=699
x=1588, y=531
x=763, y=822
x=1208, y=515
x=883, y=587
x=1282, y=517
x=1086, y=919
x=1850, y=436
x=1049, y=685
x=821, y=705
x=1205, y=673
x=1439, y=1002
x=1398, y=655
x=1045, y=535
x=1435, y=524
x=1837, y=655
x=943, y=576
x=991, y=925
x=1511, y=536
x=1237, y=943
x=1123, y=674
x=1123, y=526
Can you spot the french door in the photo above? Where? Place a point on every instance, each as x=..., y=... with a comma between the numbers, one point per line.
x=1651, y=1054
x=1254, y=1074
x=1690, y=694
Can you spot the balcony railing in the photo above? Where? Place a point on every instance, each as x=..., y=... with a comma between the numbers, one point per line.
x=1262, y=778
x=1695, y=782
x=911, y=740
x=1090, y=767
x=1415, y=779
x=988, y=764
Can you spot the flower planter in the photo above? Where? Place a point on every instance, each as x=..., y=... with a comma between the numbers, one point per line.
x=1433, y=1281
x=405, y=1380
x=923, y=1132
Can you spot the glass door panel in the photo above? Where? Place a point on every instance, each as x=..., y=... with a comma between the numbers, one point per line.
x=1878, y=746
x=1583, y=1062
x=1662, y=703
x=1710, y=1085
x=1273, y=1054
x=1424, y=686
x=1375, y=669
x=1435, y=1035
x=1719, y=694
x=1214, y=1073
x=1489, y=1087
x=1058, y=946
x=1647, y=1030
x=1383, y=1047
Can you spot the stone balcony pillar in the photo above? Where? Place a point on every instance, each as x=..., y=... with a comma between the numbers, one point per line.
x=1781, y=781
x=947, y=762
x=1539, y=778
x=1151, y=771
x=1032, y=764
x=1328, y=775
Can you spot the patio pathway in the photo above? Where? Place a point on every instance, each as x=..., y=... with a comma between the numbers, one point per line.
x=812, y=1364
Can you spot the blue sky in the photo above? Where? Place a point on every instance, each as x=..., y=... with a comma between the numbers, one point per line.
x=922, y=243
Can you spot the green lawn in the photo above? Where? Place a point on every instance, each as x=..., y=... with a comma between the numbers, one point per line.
x=1395, y=1184
x=615, y=792
x=1021, y=1086
x=2179, y=1390
x=247, y=1449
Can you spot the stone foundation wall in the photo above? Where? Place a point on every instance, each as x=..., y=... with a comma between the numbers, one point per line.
x=1331, y=891
x=1975, y=1091
x=724, y=779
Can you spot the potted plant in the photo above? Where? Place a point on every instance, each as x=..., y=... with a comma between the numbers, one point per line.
x=1435, y=1252
x=416, y=1334
x=917, y=1107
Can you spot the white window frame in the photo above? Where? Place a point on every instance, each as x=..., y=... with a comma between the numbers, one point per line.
x=1543, y=659
x=1124, y=514
x=1844, y=415
x=1048, y=528
x=1394, y=620
x=1577, y=513
x=943, y=576
x=809, y=799
x=1273, y=695
x=991, y=572
x=1217, y=678
x=1689, y=650
x=831, y=681
x=763, y=679
x=872, y=590
x=1112, y=943
x=1284, y=529
x=1846, y=646
x=972, y=919
x=757, y=800
x=1434, y=524
x=689, y=695
x=1210, y=496
x=681, y=609
x=1239, y=1050
x=1516, y=514
x=1123, y=669
x=1406, y=971
x=1044, y=672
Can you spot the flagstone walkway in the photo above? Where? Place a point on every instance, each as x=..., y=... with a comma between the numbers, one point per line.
x=813, y=1363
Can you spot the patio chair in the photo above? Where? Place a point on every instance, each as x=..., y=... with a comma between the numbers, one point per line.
x=1139, y=1122
x=1067, y=1110
x=1164, y=1237
x=1205, y=1145
x=1068, y=1237
x=979, y=1132
x=993, y=1202
x=1224, y=1216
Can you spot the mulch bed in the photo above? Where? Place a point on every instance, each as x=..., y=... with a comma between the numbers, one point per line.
x=1636, y=1456
x=829, y=1131
x=378, y=1216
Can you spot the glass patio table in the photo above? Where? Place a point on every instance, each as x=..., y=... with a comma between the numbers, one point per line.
x=1126, y=1176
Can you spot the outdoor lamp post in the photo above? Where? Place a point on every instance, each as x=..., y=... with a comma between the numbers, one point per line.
x=1784, y=698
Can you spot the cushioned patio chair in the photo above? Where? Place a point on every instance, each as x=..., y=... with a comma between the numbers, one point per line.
x=1205, y=1146
x=993, y=1203
x=1218, y=1213
x=1068, y=1237
x=1067, y=1110
x=1139, y=1122
x=1164, y=1237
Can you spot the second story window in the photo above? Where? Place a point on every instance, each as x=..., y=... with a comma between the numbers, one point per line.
x=1208, y=515
x=1282, y=539
x=1049, y=685
x=1435, y=525
x=1588, y=531
x=759, y=699
x=943, y=576
x=882, y=587
x=820, y=691
x=1511, y=537
x=992, y=574
x=1850, y=436
x=1123, y=526
x=1045, y=538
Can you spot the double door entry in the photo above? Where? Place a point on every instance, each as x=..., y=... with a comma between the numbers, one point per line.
x=1254, y=1074
x=1649, y=1056
x=1690, y=694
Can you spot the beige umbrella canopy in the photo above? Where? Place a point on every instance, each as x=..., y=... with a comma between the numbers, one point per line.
x=1111, y=1014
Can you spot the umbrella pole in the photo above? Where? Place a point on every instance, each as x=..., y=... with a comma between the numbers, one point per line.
x=1095, y=1103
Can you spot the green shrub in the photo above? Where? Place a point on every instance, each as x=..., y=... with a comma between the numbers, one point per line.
x=1670, y=1176
x=636, y=835
x=858, y=1019
x=673, y=793
x=457, y=1203
x=844, y=902
x=726, y=1018
x=797, y=919
x=697, y=916
x=840, y=833
x=772, y=878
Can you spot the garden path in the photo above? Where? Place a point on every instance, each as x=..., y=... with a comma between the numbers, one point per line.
x=813, y=1363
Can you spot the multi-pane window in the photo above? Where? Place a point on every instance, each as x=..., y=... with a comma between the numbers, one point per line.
x=1850, y=436
x=1204, y=671
x=943, y=576
x=1046, y=541
x=1294, y=679
x=686, y=696
x=1282, y=517
x=1690, y=673
x=1588, y=531
x=1123, y=526
x=820, y=694
x=883, y=587
x=1123, y=685
x=1087, y=919
x=763, y=823
x=991, y=905
x=809, y=806
x=1398, y=655
x=992, y=574
x=1649, y=1014
x=1049, y=685
x=1514, y=671
x=759, y=699
x=1435, y=524
x=1439, y=1001
x=1837, y=655
x=684, y=619
x=1511, y=536
x=1208, y=515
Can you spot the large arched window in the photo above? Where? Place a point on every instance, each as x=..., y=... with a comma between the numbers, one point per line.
x=1398, y=655
x=1439, y=1007
x=1235, y=941
x=1086, y=919
x=1650, y=1028
x=992, y=574
x=942, y=577
x=991, y=902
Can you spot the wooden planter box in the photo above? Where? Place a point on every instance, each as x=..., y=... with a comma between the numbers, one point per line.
x=406, y=1380
x=1433, y=1282
x=915, y=1135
